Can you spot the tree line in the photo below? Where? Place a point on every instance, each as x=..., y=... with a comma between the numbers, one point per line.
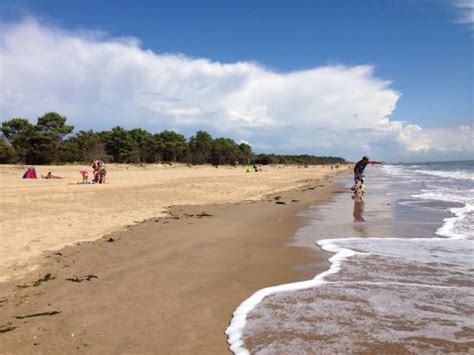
x=51, y=140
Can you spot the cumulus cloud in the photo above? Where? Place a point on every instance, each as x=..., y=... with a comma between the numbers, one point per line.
x=99, y=82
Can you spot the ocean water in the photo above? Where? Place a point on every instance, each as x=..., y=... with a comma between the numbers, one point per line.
x=401, y=278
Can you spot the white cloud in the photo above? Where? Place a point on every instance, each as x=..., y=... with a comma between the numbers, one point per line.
x=99, y=82
x=467, y=11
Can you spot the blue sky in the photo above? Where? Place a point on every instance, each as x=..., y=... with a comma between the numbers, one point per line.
x=421, y=51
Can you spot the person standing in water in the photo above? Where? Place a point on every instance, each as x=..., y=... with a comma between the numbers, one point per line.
x=359, y=172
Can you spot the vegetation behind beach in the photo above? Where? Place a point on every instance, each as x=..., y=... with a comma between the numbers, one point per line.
x=51, y=140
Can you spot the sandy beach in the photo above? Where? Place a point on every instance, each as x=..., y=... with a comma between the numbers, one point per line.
x=39, y=215
x=166, y=285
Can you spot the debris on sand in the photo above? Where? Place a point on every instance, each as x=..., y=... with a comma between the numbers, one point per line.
x=82, y=278
x=6, y=328
x=203, y=214
x=52, y=313
x=45, y=278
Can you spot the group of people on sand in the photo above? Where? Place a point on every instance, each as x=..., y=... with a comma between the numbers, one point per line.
x=99, y=171
x=98, y=167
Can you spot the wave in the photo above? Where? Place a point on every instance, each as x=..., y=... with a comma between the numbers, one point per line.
x=393, y=170
x=366, y=303
x=239, y=317
x=445, y=195
x=458, y=175
x=423, y=252
x=449, y=252
x=461, y=226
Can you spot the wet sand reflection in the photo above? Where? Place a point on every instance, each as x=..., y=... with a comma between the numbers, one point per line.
x=358, y=214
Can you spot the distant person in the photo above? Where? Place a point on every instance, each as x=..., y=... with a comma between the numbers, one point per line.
x=359, y=172
x=85, y=176
x=100, y=171
x=50, y=175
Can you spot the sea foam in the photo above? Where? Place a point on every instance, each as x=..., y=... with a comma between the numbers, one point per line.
x=420, y=275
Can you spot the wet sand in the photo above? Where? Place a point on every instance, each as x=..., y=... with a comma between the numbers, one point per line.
x=168, y=285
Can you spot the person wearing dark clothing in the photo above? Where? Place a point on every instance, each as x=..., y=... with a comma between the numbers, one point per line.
x=359, y=171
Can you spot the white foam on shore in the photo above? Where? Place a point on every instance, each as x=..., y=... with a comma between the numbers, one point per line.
x=461, y=225
x=239, y=317
x=457, y=231
x=463, y=175
x=402, y=248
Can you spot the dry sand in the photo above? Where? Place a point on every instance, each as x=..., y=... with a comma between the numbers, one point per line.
x=170, y=284
x=39, y=215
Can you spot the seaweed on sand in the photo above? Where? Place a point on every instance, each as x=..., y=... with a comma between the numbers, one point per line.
x=45, y=278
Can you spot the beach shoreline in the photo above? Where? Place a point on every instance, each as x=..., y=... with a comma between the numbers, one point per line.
x=168, y=284
x=400, y=279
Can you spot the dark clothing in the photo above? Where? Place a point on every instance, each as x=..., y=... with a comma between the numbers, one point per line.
x=360, y=166
x=359, y=170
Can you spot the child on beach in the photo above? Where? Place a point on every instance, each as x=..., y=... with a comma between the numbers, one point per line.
x=85, y=176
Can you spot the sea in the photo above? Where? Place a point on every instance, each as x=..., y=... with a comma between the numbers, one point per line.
x=399, y=278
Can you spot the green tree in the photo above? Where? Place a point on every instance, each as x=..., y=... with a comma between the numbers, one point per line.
x=17, y=132
x=90, y=146
x=69, y=151
x=120, y=145
x=245, y=153
x=7, y=152
x=200, y=146
x=55, y=124
x=172, y=145
x=225, y=151
x=46, y=138
x=43, y=149
x=83, y=147
x=145, y=144
x=49, y=141
x=266, y=159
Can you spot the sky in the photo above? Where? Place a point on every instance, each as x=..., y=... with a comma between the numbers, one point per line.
x=392, y=79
